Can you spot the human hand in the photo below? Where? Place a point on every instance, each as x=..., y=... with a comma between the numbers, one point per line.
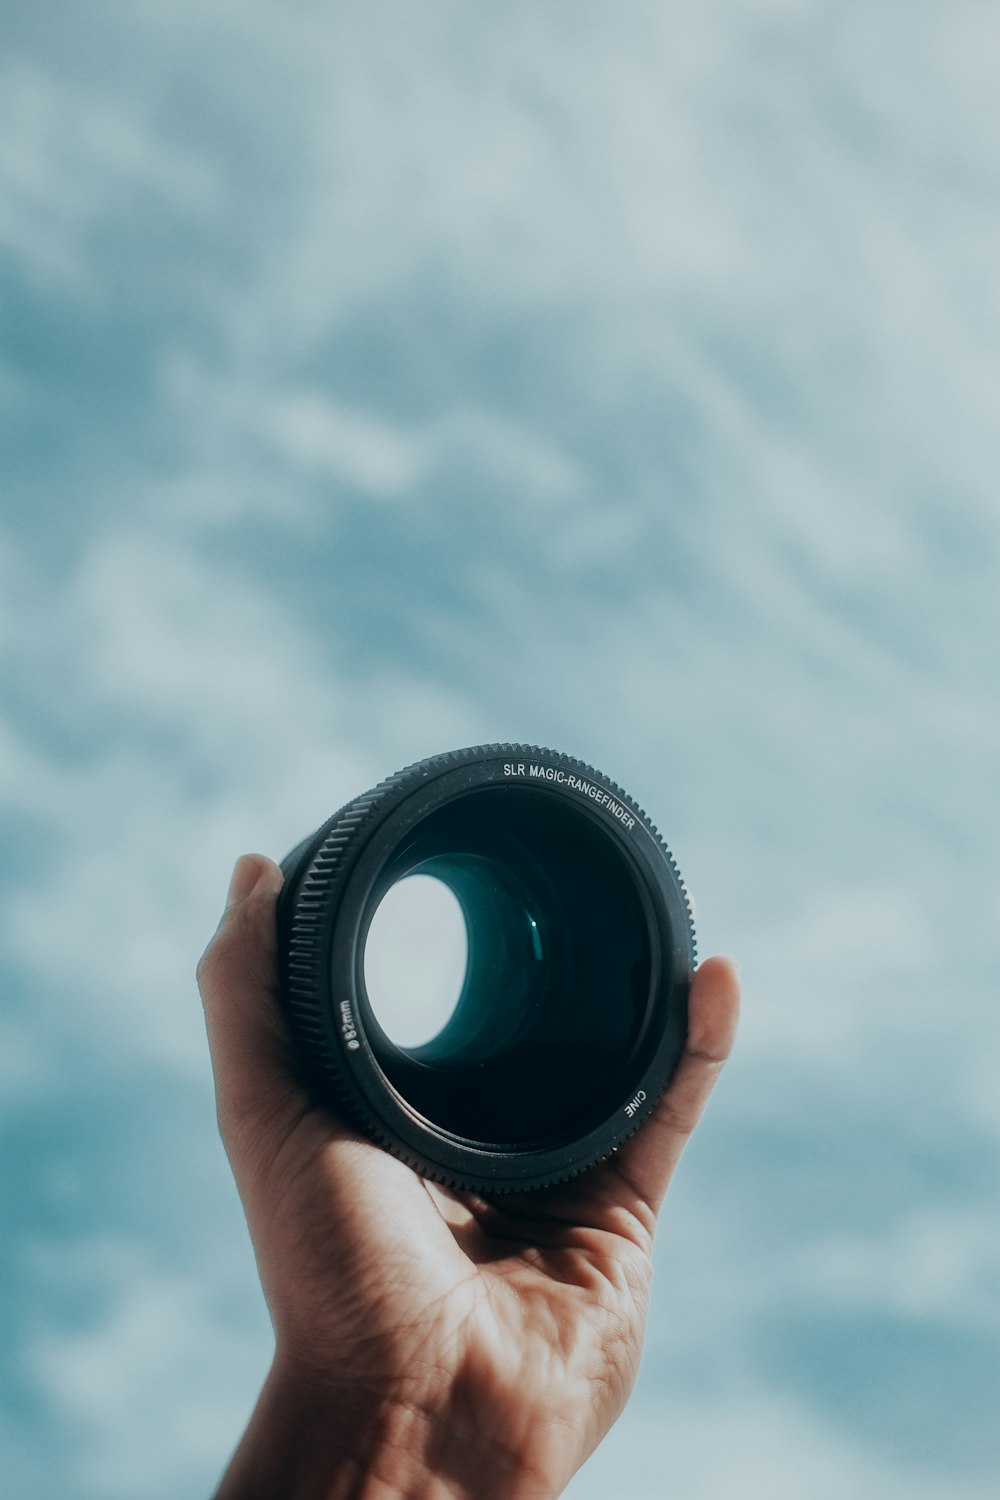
x=428, y=1343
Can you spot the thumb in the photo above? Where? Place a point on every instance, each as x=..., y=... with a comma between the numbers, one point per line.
x=258, y=1095
x=646, y=1162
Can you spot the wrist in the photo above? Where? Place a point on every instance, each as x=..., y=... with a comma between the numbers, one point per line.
x=305, y=1442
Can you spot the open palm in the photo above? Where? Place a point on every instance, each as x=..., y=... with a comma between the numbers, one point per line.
x=420, y=1330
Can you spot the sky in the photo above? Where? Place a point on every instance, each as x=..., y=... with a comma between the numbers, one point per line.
x=378, y=379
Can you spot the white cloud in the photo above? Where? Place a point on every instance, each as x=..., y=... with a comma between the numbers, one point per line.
x=932, y=1265
x=69, y=156
x=326, y=438
x=856, y=959
x=306, y=435
x=746, y=1443
x=209, y=685
x=159, y=1386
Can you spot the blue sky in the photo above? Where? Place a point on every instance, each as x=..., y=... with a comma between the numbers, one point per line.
x=378, y=379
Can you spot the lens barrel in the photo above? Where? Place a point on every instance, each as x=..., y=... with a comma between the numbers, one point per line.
x=573, y=1012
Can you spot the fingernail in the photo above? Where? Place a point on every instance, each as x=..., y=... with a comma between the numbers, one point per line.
x=245, y=876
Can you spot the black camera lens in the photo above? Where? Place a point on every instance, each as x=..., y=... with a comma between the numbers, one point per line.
x=572, y=1013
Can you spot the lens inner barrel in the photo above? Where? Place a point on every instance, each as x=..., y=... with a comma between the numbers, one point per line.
x=562, y=959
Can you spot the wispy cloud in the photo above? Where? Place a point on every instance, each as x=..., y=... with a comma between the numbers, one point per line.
x=109, y=1376
x=391, y=379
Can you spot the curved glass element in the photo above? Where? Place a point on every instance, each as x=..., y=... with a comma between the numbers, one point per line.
x=560, y=971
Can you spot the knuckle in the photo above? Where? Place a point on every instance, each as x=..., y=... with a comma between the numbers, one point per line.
x=234, y=1116
x=218, y=955
x=206, y=967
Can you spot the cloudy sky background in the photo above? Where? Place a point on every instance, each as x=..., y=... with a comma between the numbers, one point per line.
x=377, y=379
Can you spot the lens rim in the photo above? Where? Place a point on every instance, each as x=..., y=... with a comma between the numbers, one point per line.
x=327, y=904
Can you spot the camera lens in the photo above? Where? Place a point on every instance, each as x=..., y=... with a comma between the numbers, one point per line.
x=578, y=948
